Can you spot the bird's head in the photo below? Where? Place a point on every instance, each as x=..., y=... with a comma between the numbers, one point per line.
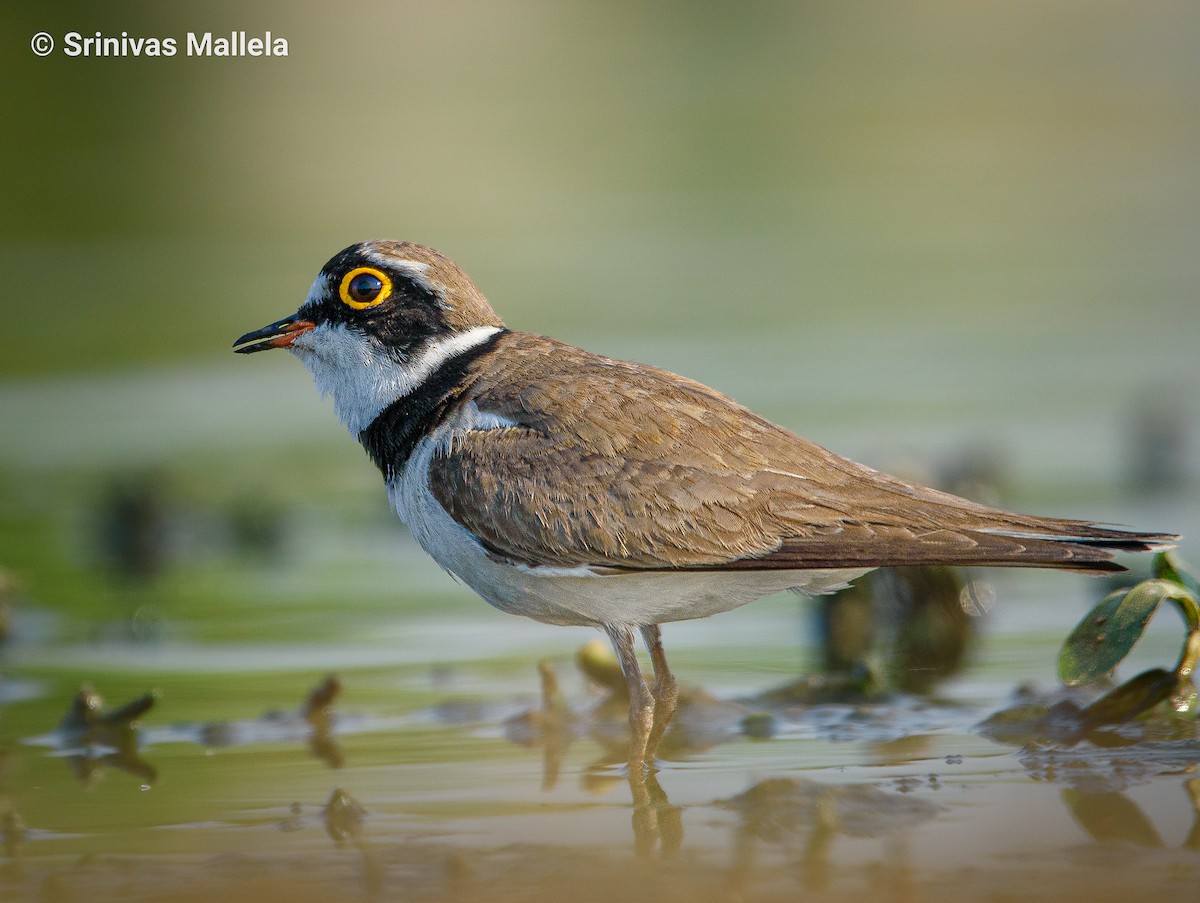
x=380, y=317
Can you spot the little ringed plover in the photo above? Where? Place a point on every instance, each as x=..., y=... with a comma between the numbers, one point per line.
x=577, y=489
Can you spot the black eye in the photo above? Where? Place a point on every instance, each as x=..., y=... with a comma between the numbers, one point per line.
x=365, y=287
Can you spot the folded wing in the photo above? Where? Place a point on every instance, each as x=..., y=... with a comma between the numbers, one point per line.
x=656, y=472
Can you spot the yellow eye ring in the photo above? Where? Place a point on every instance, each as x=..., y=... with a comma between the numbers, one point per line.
x=360, y=293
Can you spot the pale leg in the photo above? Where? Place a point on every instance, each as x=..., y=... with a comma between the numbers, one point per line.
x=655, y=822
x=641, y=702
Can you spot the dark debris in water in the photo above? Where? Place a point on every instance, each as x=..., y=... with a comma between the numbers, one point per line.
x=87, y=721
x=93, y=737
x=1066, y=718
x=90, y=737
x=318, y=707
x=1067, y=740
x=316, y=721
x=343, y=816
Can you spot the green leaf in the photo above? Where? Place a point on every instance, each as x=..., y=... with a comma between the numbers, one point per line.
x=1106, y=635
x=1169, y=566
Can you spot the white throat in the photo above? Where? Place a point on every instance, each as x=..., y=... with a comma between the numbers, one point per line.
x=363, y=378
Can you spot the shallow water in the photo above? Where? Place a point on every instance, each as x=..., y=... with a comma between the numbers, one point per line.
x=230, y=792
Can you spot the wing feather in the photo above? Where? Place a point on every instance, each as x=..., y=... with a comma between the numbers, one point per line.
x=654, y=471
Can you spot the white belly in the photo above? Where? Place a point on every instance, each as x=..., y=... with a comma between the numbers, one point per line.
x=580, y=595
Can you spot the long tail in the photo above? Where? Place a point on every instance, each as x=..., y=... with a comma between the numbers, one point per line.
x=1013, y=541
x=1087, y=547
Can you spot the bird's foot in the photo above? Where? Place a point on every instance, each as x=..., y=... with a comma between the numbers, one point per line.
x=641, y=729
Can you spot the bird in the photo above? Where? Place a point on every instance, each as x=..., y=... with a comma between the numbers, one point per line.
x=578, y=489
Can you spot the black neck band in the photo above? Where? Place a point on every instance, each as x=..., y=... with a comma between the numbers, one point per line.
x=392, y=436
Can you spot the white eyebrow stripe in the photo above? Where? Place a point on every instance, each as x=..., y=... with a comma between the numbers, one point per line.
x=415, y=270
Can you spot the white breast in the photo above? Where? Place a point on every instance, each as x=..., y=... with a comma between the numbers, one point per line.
x=582, y=596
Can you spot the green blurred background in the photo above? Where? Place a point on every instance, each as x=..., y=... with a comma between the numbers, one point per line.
x=808, y=169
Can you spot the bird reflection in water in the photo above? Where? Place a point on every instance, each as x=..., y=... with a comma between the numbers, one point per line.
x=900, y=631
x=783, y=811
